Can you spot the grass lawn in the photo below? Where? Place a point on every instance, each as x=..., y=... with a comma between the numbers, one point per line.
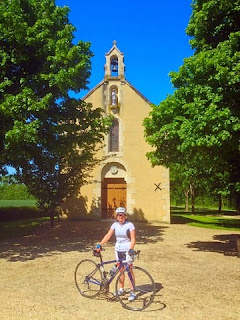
x=17, y=228
x=17, y=203
x=207, y=218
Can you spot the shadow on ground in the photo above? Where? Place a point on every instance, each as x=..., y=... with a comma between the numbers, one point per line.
x=205, y=211
x=156, y=305
x=67, y=236
x=225, y=244
x=217, y=222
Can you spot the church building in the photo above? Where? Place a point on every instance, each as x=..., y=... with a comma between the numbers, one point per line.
x=125, y=177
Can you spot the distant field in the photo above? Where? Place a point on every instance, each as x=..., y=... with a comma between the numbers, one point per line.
x=17, y=203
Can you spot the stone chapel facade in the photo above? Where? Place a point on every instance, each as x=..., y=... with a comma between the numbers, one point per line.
x=125, y=177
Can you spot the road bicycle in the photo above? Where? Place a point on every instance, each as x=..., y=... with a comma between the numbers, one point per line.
x=91, y=280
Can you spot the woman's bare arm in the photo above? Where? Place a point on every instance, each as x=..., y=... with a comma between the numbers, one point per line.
x=107, y=237
x=133, y=239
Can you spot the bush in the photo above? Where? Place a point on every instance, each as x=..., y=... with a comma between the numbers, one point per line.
x=11, y=213
x=14, y=192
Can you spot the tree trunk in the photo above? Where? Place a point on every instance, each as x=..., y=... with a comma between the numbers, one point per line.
x=186, y=199
x=238, y=202
x=51, y=215
x=219, y=203
x=193, y=199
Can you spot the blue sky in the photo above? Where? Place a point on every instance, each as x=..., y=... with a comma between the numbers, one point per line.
x=151, y=34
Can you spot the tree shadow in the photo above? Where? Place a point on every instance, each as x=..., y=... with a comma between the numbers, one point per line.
x=149, y=233
x=76, y=208
x=178, y=219
x=67, y=236
x=138, y=215
x=225, y=244
x=216, y=222
x=204, y=211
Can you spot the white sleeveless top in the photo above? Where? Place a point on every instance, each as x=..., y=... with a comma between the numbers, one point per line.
x=122, y=233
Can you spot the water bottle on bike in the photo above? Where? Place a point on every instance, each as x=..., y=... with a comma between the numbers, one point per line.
x=113, y=270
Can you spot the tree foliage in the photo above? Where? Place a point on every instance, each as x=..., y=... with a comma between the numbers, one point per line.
x=15, y=191
x=49, y=137
x=199, y=125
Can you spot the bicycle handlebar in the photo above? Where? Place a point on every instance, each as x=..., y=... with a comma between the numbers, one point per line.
x=133, y=255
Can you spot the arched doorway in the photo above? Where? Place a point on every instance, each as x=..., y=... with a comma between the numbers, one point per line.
x=114, y=194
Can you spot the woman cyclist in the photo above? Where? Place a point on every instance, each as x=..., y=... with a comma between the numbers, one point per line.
x=124, y=231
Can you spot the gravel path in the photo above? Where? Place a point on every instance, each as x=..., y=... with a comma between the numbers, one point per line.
x=196, y=273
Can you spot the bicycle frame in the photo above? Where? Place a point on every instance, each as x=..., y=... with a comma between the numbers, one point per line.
x=121, y=264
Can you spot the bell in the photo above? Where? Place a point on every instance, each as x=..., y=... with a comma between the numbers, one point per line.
x=114, y=68
x=114, y=64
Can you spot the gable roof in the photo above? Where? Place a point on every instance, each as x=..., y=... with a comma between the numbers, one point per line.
x=93, y=89
x=113, y=47
x=127, y=82
x=138, y=92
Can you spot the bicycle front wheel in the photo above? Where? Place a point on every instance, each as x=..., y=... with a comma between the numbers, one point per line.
x=88, y=278
x=138, y=293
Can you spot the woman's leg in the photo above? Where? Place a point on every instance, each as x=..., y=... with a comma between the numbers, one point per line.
x=122, y=279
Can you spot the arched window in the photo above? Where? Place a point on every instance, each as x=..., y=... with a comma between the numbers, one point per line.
x=114, y=136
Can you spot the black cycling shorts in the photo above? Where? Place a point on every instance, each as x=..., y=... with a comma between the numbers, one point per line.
x=121, y=255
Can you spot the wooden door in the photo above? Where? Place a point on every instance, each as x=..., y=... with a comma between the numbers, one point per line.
x=114, y=195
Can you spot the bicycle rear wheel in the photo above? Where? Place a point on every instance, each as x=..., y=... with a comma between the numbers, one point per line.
x=88, y=278
x=143, y=288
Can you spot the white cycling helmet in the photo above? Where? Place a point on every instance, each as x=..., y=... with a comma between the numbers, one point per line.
x=121, y=210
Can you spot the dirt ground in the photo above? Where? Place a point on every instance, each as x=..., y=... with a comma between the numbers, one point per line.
x=196, y=273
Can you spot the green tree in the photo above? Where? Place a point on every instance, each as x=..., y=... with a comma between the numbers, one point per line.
x=50, y=138
x=198, y=126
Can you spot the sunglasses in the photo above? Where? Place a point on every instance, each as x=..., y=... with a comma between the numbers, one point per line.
x=121, y=215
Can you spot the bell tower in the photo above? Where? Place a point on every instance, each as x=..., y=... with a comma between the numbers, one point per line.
x=114, y=78
x=114, y=67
